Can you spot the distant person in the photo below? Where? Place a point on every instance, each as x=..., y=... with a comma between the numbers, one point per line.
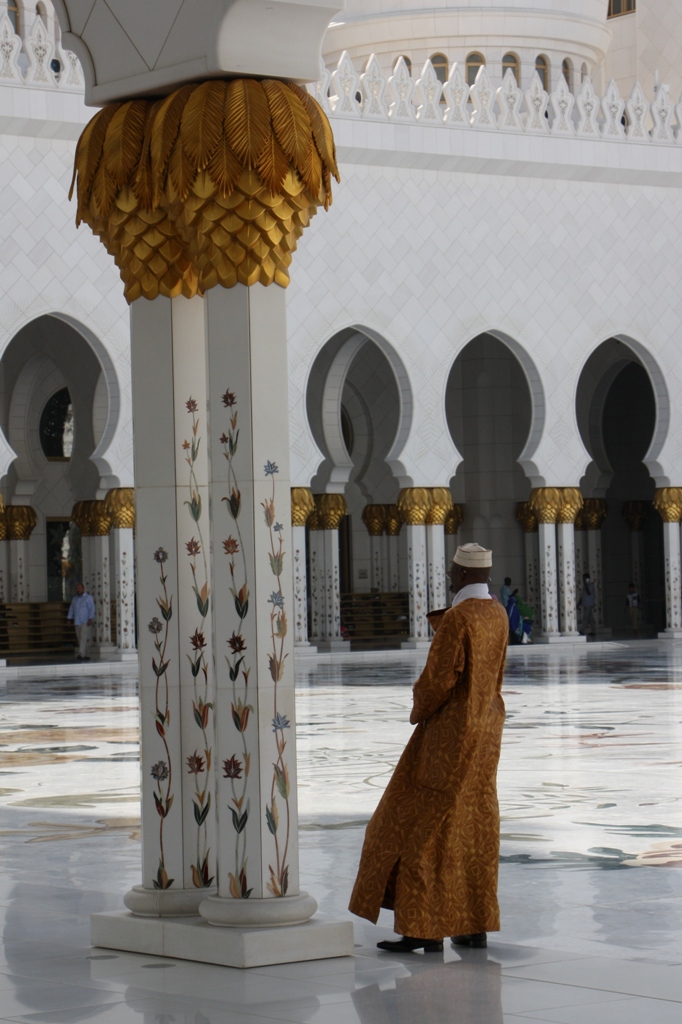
x=506, y=591
x=586, y=603
x=431, y=850
x=632, y=603
x=82, y=614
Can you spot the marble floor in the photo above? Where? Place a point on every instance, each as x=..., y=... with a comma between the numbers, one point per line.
x=590, y=873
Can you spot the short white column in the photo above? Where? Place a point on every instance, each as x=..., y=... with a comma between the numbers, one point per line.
x=101, y=594
x=417, y=586
x=548, y=580
x=594, y=558
x=330, y=620
x=88, y=564
x=566, y=556
x=673, y=582
x=393, y=563
x=435, y=554
x=316, y=580
x=581, y=565
x=124, y=570
x=18, y=571
x=376, y=568
x=530, y=547
x=4, y=571
x=300, y=568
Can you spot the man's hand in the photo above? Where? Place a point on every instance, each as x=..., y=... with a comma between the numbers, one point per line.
x=90, y=622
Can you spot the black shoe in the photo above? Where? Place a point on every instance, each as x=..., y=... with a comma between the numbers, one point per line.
x=86, y=659
x=79, y=657
x=477, y=941
x=408, y=945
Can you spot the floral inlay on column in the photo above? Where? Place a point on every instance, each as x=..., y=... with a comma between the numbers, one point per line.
x=197, y=765
x=279, y=875
x=161, y=772
x=237, y=663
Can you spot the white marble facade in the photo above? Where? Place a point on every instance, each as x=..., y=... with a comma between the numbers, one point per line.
x=473, y=217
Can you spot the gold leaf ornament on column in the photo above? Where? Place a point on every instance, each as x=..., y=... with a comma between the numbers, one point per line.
x=636, y=514
x=120, y=507
x=453, y=520
x=21, y=521
x=212, y=185
x=393, y=520
x=546, y=503
x=441, y=505
x=594, y=513
x=302, y=504
x=374, y=518
x=668, y=504
x=526, y=517
x=330, y=508
x=571, y=504
x=414, y=505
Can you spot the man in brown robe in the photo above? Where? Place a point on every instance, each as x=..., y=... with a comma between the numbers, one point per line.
x=431, y=850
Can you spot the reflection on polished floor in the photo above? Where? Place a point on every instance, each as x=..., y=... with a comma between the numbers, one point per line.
x=590, y=879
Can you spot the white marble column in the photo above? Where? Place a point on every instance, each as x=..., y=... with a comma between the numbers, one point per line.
x=549, y=619
x=316, y=579
x=545, y=503
x=21, y=521
x=374, y=518
x=178, y=756
x=414, y=504
x=102, y=594
x=594, y=558
x=568, y=622
x=673, y=581
x=668, y=503
x=330, y=509
x=4, y=567
x=302, y=504
x=529, y=524
x=635, y=514
x=392, y=539
x=124, y=577
x=250, y=499
x=435, y=554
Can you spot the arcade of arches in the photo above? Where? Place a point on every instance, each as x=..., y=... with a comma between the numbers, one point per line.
x=58, y=525
x=371, y=557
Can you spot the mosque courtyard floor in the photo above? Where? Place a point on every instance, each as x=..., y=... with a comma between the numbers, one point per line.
x=590, y=786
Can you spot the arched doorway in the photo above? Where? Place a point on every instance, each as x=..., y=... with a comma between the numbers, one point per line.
x=55, y=411
x=489, y=412
x=357, y=411
x=618, y=420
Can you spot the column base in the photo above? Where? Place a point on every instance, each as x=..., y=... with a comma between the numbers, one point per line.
x=415, y=645
x=559, y=638
x=192, y=938
x=255, y=913
x=123, y=655
x=165, y=902
x=105, y=652
x=670, y=634
x=333, y=645
x=305, y=650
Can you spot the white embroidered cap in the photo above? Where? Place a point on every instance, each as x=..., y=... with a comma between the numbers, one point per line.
x=473, y=556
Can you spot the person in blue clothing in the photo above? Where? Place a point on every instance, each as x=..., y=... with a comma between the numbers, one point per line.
x=82, y=613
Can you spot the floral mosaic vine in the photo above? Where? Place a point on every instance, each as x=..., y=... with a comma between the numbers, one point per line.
x=236, y=768
x=281, y=785
x=161, y=772
x=199, y=763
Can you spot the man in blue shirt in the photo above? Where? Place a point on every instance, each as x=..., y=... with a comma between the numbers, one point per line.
x=82, y=612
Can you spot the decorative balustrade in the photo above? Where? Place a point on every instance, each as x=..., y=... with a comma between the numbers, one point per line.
x=372, y=96
x=29, y=61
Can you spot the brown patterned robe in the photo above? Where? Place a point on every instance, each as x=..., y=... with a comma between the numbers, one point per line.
x=431, y=849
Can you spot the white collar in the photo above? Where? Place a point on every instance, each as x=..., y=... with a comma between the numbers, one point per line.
x=476, y=590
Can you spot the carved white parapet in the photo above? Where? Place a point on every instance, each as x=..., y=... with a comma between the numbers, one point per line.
x=536, y=105
x=612, y=106
x=638, y=111
x=483, y=99
x=10, y=44
x=401, y=88
x=662, y=114
x=320, y=89
x=563, y=101
x=456, y=93
x=588, y=108
x=429, y=91
x=345, y=82
x=373, y=85
x=40, y=49
x=71, y=75
x=509, y=99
